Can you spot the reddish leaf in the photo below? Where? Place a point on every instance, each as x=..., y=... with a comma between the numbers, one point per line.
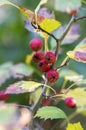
x=79, y=53
x=80, y=56
x=15, y=88
x=46, y=13
x=25, y=86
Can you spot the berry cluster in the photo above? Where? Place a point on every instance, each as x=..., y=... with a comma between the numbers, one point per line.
x=44, y=61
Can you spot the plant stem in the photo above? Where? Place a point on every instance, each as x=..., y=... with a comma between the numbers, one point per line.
x=38, y=27
x=69, y=118
x=37, y=103
x=46, y=44
x=64, y=84
x=67, y=28
x=80, y=18
x=71, y=22
x=58, y=41
x=64, y=63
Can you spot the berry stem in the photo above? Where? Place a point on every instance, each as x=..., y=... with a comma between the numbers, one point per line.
x=67, y=90
x=46, y=43
x=69, y=119
x=64, y=84
x=39, y=28
x=65, y=63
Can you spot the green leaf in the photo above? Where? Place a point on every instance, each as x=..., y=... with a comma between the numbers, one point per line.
x=49, y=25
x=5, y=72
x=8, y=70
x=83, y=1
x=79, y=53
x=7, y=112
x=21, y=70
x=50, y=112
x=75, y=126
x=70, y=75
x=79, y=94
x=3, y=2
x=66, y=5
x=25, y=86
x=26, y=12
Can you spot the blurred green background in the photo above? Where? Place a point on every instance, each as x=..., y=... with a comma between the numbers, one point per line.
x=14, y=38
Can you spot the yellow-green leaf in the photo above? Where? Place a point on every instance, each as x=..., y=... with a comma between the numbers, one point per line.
x=49, y=25
x=79, y=53
x=79, y=94
x=25, y=11
x=25, y=86
x=70, y=75
x=7, y=113
x=28, y=58
x=75, y=126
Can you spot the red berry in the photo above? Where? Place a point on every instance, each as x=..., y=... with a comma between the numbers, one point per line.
x=3, y=95
x=52, y=75
x=45, y=102
x=36, y=44
x=38, y=56
x=74, y=12
x=44, y=66
x=70, y=102
x=50, y=57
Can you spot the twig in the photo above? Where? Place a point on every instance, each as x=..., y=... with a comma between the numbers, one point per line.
x=39, y=28
x=72, y=21
x=65, y=64
x=25, y=106
x=55, y=125
x=37, y=103
x=80, y=18
x=67, y=28
x=58, y=41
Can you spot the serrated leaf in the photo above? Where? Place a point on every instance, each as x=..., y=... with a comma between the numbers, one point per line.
x=49, y=25
x=79, y=94
x=67, y=5
x=70, y=75
x=79, y=53
x=5, y=72
x=50, y=112
x=24, y=86
x=75, y=126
